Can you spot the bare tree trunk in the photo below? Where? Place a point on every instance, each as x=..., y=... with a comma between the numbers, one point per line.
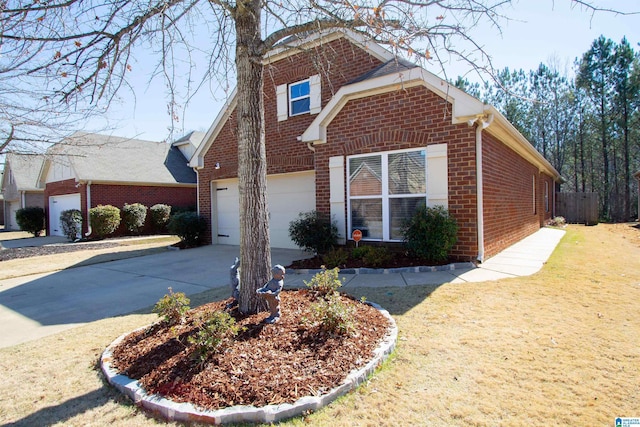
x=255, y=252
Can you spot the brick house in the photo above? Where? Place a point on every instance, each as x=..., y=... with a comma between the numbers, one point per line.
x=355, y=132
x=20, y=186
x=86, y=170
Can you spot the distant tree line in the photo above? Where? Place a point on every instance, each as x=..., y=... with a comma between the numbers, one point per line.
x=587, y=126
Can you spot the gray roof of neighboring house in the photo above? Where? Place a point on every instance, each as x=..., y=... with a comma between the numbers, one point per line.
x=392, y=66
x=98, y=157
x=25, y=169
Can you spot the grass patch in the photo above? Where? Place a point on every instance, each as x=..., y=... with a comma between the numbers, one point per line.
x=557, y=347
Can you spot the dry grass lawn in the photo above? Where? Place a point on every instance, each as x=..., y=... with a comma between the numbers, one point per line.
x=43, y=264
x=557, y=348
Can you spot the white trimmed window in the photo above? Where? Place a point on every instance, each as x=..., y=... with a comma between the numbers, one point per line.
x=299, y=98
x=302, y=97
x=385, y=189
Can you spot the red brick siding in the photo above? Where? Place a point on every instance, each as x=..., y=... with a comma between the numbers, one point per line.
x=508, y=196
x=118, y=195
x=410, y=118
x=285, y=153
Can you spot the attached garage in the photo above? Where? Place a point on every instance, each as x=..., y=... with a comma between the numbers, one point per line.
x=289, y=194
x=57, y=205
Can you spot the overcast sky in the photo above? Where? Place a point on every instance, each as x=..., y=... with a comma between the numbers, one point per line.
x=539, y=31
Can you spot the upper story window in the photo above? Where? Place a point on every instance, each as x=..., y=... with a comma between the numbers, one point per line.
x=299, y=98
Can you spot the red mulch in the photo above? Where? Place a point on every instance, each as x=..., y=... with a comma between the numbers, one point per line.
x=266, y=364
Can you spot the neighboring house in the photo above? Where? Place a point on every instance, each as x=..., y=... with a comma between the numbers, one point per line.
x=20, y=186
x=352, y=131
x=86, y=170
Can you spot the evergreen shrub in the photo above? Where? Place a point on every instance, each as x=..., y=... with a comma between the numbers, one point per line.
x=104, y=220
x=31, y=220
x=160, y=215
x=430, y=233
x=71, y=221
x=189, y=227
x=134, y=216
x=314, y=231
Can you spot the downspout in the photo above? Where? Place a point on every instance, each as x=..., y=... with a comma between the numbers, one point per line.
x=483, y=123
x=89, y=230
x=23, y=199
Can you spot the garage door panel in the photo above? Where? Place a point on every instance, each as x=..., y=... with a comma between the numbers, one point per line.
x=57, y=205
x=288, y=195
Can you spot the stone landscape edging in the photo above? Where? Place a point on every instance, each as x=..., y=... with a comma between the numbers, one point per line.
x=365, y=270
x=187, y=412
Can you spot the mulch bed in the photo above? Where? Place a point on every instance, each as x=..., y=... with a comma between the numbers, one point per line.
x=265, y=364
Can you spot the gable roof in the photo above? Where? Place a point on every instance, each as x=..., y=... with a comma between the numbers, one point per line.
x=24, y=169
x=104, y=158
x=288, y=47
x=465, y=109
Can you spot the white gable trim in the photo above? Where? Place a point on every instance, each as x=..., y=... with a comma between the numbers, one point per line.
x=197, y=160
x=464, y=106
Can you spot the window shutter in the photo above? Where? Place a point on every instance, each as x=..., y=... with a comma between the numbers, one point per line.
x=315, y=94
x=336, y=195
x=281, y=102
x=437, y=175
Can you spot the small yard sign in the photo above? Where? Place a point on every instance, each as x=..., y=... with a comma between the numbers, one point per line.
x=356, y=236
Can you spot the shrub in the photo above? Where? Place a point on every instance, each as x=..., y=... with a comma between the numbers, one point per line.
x=325, y=282
x=104, y=220
x=133, y=217
x=558, y=221
x=430, y=233
x=217, y=328
x=188, y=226
x=333, y=315
x=71, y=221
x=160, y=215
x=335, y=257
x=372, y=256
x=314, y=231
x=31, y=220
x=173, y=307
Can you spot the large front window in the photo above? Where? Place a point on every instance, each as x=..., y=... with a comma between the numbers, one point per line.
x=384, y=190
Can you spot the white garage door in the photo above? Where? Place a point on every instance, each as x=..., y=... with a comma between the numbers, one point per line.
x=58, y=204
x=289, y=195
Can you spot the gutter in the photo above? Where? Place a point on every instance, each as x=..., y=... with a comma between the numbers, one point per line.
x=483, y=122
x=89, y=230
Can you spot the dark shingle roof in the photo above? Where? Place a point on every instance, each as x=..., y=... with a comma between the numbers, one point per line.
x=110, y=158
x=389, y=67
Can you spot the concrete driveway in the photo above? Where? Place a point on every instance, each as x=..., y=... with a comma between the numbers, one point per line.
x=39, y=305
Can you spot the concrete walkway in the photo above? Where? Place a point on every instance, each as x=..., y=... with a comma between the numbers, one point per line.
x=39, y=305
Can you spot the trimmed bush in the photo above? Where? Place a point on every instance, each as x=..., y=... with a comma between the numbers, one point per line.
x=189, y=227
x=314, y=231
x=133, y=217
x=104, y=220
x=71, y=221
x=160, y=215
x=31, y=220
x=430, y=233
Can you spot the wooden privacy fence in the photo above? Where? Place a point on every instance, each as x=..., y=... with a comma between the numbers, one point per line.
x=578, y=208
